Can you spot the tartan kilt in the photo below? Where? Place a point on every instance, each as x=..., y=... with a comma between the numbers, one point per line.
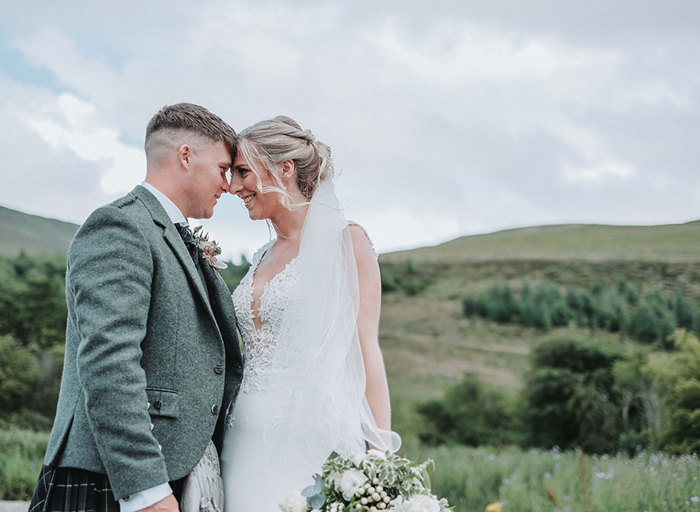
x=72, y=490
x=79, y=490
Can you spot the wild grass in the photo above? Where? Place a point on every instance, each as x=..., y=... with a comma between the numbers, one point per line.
x=472, y=478
x=543, y=481
x=21, y=455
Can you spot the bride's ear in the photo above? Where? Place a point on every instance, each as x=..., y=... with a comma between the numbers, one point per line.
x=287, y=170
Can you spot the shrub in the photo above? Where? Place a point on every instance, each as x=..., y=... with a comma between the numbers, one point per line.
x=679, y=376
x=19, y=372
x=654, y=320
x=407, y=279
x=570, y=395
x=500, y=304
x=471, y=413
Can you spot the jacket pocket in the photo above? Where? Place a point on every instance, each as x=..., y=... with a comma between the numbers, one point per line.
x=163, y=402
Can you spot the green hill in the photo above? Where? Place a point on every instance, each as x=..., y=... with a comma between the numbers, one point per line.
x=33, y=234
x=591, y=242
x=428, y=343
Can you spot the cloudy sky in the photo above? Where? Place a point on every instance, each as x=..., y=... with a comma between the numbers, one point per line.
x=445, y=118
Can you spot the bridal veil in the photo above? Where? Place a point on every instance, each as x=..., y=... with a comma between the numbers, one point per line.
x=318, y=381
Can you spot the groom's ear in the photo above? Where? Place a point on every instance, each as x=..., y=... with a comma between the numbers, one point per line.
x=184, y=153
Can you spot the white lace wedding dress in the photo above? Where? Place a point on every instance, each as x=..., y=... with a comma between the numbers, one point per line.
x=302, y=396
x=253, y=478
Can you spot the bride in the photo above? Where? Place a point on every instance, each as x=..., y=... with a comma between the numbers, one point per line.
x=308, y=313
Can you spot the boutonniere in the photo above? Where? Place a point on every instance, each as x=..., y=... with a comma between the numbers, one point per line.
x=210, y=249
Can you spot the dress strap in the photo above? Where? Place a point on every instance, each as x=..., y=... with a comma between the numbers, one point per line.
x=257, y=256
x=352, y=223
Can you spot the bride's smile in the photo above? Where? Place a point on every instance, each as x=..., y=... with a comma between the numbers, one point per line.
x=249, y=188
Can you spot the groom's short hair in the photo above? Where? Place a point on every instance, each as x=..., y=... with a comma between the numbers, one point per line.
x=195, y=119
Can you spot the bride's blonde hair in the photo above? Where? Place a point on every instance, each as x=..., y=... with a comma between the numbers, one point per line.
x=276, y=140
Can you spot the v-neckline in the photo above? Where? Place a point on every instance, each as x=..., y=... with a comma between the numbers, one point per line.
x=253, y=314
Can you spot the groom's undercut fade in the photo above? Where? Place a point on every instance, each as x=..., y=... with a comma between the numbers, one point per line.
x=192, y=118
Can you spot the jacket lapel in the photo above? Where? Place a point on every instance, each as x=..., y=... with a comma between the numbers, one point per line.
x=173, y=239
x=221, y=302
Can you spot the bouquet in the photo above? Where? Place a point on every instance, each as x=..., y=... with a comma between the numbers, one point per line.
x=369, y=482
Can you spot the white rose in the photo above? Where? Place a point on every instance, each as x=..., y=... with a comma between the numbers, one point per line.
x=357, y=458
x=350, y=482
x=377, y=453
x=334, y=479
x=294, y=502
x=421, y=503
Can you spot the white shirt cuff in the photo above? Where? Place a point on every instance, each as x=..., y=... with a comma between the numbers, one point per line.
x=145, y=498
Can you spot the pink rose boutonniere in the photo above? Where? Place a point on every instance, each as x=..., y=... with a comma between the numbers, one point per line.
x=210, y=249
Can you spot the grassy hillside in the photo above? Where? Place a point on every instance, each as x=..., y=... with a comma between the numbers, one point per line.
x=669, y=243
x=33, y=234
x=428, y=343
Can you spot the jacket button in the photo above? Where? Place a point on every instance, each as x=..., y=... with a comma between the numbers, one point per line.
x=214, y=409
x=218, y=369
x=157, y=405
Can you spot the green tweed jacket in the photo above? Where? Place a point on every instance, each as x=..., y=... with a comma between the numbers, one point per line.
x=143, y=328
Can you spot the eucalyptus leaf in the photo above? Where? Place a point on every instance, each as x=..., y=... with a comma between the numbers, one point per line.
x=317, y=501
x=319, y=485
x=309, y=491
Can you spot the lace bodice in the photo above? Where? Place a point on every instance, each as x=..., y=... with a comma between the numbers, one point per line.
x=259, y=344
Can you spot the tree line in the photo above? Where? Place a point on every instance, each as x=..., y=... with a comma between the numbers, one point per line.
x=649, y=317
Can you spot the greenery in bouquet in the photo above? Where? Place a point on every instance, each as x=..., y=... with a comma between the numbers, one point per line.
x=369, y=482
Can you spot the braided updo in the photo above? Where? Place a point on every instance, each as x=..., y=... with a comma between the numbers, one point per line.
x=277, y=140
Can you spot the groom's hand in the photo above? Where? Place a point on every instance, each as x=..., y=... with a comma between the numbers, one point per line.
x=167, y=504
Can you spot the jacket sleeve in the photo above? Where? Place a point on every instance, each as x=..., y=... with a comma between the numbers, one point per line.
x=110, y=270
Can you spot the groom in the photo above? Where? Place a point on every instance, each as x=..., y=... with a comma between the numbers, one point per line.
x=152, y=358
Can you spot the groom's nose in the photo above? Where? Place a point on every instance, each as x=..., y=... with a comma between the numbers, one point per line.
x=225, y=184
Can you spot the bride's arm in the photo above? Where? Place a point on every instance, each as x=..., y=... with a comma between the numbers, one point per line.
x=377, y=391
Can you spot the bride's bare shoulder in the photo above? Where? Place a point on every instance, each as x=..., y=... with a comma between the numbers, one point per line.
x=361, y=240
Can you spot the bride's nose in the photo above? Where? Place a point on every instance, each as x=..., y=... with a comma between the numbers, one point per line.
x=234, y=184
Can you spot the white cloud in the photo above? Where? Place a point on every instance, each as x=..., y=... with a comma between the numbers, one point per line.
x=458, y=53
x=597, y=173
x=70, y=123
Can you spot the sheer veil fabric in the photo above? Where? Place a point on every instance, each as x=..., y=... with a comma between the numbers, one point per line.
x=322, y=377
